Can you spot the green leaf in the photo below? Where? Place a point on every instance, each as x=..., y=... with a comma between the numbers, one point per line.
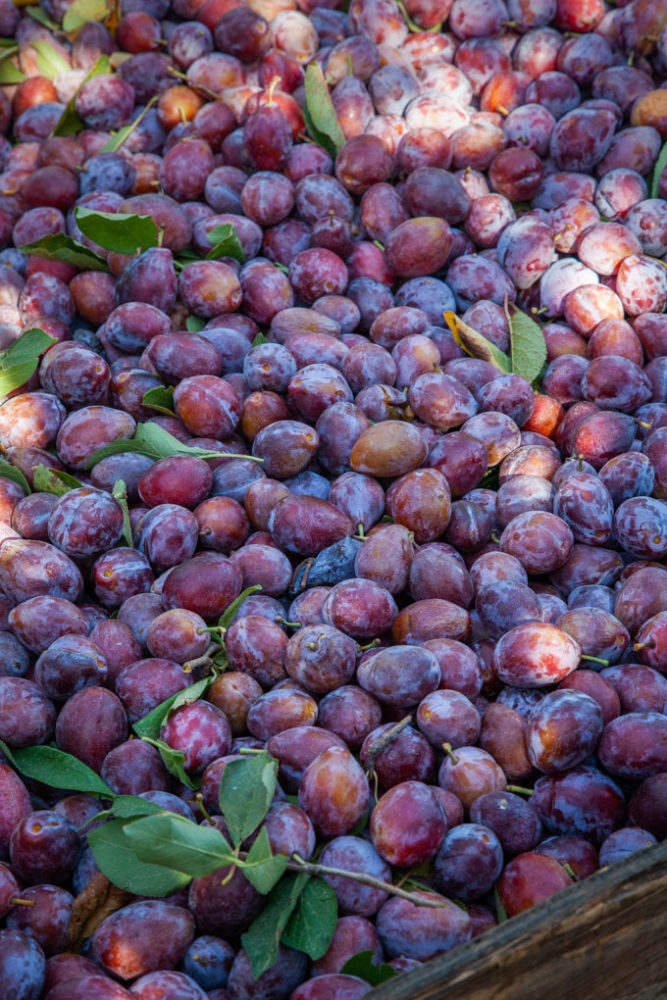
x=529, y=349
x=260, y=339
x=117, y=447
x=70, y=120
x=319, y=112
x=227, y=616
x=225, y=243
x=9, y=471
x=154, y=441
x=20, y=361
x=56, y=768
x=117, y=231
x=151, y=724
x=311, y=925
x=474, y=344
x=660, y=165
x=57, y=246
x=50, y=63
x=490, y=479
x=115, y=857
x=246, y=791
x=161, y=398
x=501, y=912
x=81, y=11
x=29, y=347
x=9, y=72
x=14, y=378
x=54, y=481
x=194, y=324
x=8, y=43
x=262, y=868
x=37, y=14
x=262, y=938
x=123, y=134
x=179, y=844
x=119, y=492
x=362, y=966
x=173, y=760
x=132, y=807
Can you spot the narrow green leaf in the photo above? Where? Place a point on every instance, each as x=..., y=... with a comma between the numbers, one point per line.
x=119, y=491
x=81, y=11
x=116, y=859
x=262, y=938
x=63, y=248
x=194, y=324
x=529, y=349
x=151, y=724
x=9, y=72
x=132, y=807
x=262, y=868
x=474, y=344
x=161, y=398
x=117, y=447
x=173, y=760
x=8, y=43
x=117, y=231
x=165, y=444
x=319, y=112
x=501, y=912
x=260, y=339
x=362, y=966
x=225, y=243
x=9, y=471
x=54, y=481
x=154, y=441
x=37, y=14
x=70, y=120
x=491, y=479
x=123, y=134
x=227, y=616
x=246, y=791
x=658, y=169
x=179, y=844
x=50, y=63
x=56, y=768
x=311, y=925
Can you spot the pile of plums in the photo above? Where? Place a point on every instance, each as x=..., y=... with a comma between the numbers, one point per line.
x=458, y=654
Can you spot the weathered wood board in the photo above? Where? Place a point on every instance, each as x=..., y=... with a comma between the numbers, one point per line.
x=603, y=939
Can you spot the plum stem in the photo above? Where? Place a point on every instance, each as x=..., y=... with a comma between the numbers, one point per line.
x=283, y=621
x=594, y=659
x=202, y=661
x=447, y=747
x=369, y=645
x=386, y=739
x=519, y=790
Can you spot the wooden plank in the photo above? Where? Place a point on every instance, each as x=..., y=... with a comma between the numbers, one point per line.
x=603, y=939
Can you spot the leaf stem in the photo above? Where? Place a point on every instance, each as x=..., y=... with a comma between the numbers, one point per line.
x=314, y=868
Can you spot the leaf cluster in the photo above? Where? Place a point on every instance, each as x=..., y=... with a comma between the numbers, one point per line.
x=146, y=850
